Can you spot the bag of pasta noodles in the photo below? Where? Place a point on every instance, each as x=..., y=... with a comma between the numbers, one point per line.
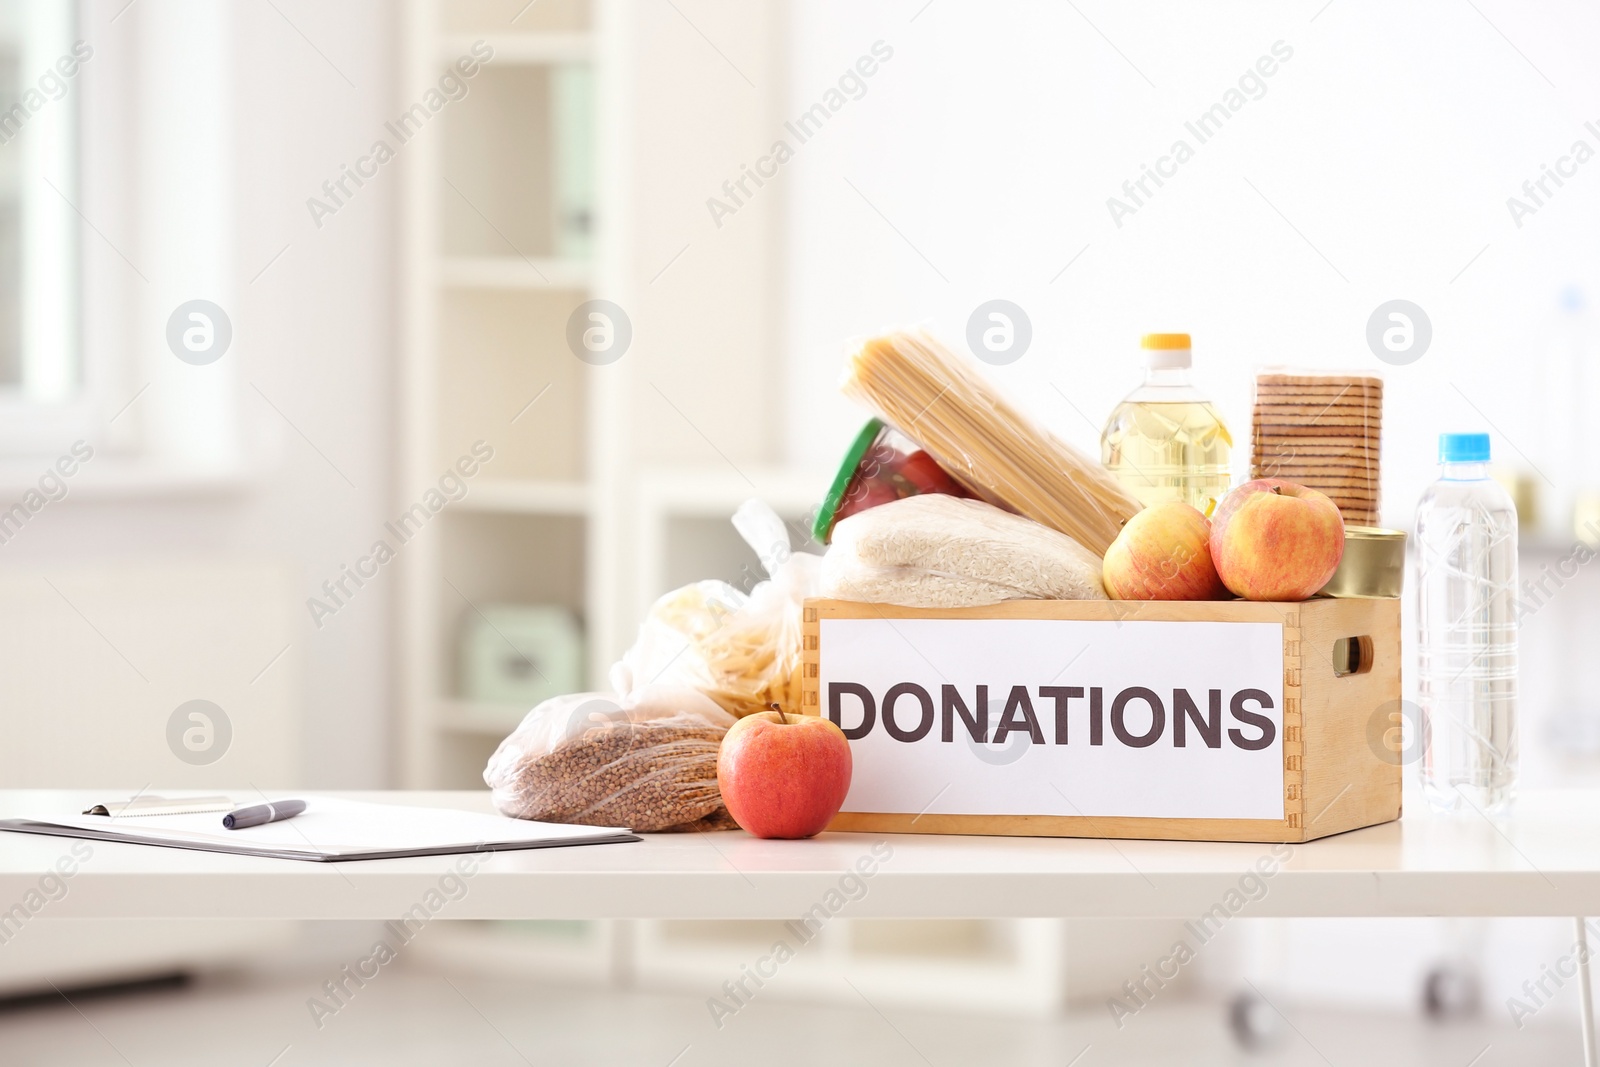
x=741, y=650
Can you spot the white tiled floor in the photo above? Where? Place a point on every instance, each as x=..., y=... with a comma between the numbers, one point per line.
x=418, y=1017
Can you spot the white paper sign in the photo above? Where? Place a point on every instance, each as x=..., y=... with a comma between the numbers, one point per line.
x=1104, y=719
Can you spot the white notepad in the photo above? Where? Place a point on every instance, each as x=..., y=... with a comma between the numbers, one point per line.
x=330, y=829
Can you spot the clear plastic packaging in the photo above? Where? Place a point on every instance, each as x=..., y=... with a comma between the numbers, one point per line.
x=741, y=651
x=882, y=465
x=984, y=441
x=943, y=552
x=645, y=757
x=585, y=758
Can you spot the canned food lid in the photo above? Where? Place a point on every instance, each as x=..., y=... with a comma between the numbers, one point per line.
x=1372, y=533
x=822, y=529
x=1373, y=566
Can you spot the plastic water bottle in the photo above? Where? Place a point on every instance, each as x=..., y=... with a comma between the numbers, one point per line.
x=1467, y=639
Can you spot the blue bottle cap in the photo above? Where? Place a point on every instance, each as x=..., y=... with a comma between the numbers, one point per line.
x=1463, y=448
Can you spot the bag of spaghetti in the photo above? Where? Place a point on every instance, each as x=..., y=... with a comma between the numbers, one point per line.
x=741, y=650
x=985, y=442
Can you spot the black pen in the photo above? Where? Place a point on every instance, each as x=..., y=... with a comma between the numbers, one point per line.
x=257, y=814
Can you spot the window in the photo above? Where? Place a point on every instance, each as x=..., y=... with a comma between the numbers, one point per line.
x=107, y=224
x=39, y=350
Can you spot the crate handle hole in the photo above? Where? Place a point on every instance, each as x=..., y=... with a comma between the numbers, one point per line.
x=1352, y=655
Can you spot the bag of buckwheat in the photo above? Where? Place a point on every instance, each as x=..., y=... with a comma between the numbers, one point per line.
x=586, y=758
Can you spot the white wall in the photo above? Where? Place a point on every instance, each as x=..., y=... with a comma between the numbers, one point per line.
x=1390, y=140
x=704, y=297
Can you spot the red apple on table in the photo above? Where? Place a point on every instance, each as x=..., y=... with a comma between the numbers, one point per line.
x=1162, y=553
x=1272, y=539
x=784, y=775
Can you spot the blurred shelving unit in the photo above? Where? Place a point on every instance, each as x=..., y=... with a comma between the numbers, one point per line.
x=1008, y=968
x=513, y=272
x=584, y=951
x=612, y=484
x=683, y=530
x=522, y=202
x=528, y=47
x=528, y=497
x=479, y=717
x=1016, y=968
x=501, y=245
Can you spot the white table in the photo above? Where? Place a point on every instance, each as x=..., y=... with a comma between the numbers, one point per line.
x=1542, y=861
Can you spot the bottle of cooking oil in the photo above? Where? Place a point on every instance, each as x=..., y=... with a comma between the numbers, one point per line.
x=1166, y=441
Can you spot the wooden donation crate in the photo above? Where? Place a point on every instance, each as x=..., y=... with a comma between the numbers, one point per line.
x=1225, y=721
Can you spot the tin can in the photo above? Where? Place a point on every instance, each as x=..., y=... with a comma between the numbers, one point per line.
x=1374, y=564
x=882, y=465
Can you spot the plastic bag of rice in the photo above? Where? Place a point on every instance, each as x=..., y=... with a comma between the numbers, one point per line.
x=937, y=551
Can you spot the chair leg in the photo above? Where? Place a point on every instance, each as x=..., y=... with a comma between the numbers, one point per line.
x=1591, y=1058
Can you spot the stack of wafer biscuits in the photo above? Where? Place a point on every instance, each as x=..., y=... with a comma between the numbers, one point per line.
x=1322, y=431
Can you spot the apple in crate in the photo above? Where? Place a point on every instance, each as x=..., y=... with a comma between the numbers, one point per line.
x=1272, y=539
x=1162, y=553
x=783, y=775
